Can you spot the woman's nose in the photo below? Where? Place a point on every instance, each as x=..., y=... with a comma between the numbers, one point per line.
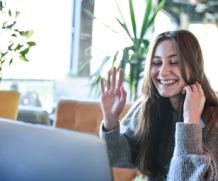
x=164, y=70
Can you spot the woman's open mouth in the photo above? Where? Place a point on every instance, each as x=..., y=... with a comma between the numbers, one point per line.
x=167, y=82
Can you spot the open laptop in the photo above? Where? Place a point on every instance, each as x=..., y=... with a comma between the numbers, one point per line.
x=41, y=153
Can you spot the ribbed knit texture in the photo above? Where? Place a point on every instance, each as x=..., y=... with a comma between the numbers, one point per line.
x=195, y=152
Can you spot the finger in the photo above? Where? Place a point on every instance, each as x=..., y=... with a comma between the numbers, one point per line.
x=102, y=85
x=186, y=89
x=109, y=80
x=202, y=92
x=123, y=94
x=194, y=88
x=199, y=88
x=114, y=78
x=120, y=81
x=183, y=90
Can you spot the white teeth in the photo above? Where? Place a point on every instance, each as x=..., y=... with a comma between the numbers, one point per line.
x=165, y=82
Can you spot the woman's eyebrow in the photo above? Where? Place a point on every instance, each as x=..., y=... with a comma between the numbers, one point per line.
x=173, y=55
x=156, y=57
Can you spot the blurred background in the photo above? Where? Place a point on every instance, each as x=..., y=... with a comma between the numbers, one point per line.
x=71, y=46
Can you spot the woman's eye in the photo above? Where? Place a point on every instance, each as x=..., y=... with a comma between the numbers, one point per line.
x=156, y=63
x=174, y=63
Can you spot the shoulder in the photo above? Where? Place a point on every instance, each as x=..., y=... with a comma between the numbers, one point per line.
x=130, y=120
x=210, y=119
x=210, y=116
x=134, y=109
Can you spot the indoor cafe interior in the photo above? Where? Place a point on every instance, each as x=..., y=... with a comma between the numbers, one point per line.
x=53, y=57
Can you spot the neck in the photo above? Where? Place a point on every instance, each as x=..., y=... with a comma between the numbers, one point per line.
x=175, y=101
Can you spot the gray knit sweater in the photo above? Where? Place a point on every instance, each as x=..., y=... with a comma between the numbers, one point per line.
x=195, y=154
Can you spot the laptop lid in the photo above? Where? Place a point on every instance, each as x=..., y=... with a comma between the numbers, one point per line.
x=37, y=152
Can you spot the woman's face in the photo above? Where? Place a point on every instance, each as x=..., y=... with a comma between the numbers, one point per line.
x=165, y=70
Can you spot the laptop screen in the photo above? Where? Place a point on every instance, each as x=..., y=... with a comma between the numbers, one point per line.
x=37, y=152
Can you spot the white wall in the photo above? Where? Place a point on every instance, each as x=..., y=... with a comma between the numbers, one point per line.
x=51, y=21
x=207, y=35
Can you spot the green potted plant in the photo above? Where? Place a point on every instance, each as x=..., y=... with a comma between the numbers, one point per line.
x=134, y=55
x=13, y=42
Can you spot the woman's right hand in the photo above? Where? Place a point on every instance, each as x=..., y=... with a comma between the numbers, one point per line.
x=113, y=100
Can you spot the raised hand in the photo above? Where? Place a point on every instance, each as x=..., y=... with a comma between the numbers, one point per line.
x=113, y=100
x=193, y=104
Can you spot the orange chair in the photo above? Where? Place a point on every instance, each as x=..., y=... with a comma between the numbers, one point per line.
x=87, y=116
x=9, y=102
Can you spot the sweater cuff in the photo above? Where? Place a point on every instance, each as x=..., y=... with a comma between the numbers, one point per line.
x=188, y=139
x=111, y=135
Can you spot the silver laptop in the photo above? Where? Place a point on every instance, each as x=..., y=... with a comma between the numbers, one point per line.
x=41, y=153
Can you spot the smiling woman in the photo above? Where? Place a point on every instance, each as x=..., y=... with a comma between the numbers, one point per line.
x=166, y=74
x=178, y=100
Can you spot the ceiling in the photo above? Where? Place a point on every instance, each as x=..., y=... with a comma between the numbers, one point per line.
x=204, y=12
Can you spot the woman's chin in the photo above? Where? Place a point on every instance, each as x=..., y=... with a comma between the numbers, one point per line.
x=167, y=94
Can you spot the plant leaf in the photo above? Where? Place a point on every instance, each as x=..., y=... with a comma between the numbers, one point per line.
x=97, y=90
x=4, y=23
x=29, y=33
x=9, y=48
x=10, y=26
x=24, y=52
x=159, y=7
x=90, y=14
x=3, y=54
x=126, y=29
x=3, y=61
x=146, y=43
x=17, y=48
x=1, y=5
x=9, y=12
x=114, y=60
x=95, y=84
x=145, y=19
x=124, y=23
x=101, y=67
x=22, y=57
x=17, y=13
x=22, y=33
x=83, y=65
x=31, y=43
x=88, y=48
x=10, y=61
x=120, y=12
x=132, y=15
x=125, y=58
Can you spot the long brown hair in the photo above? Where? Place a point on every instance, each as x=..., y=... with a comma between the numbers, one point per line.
x=155, y=110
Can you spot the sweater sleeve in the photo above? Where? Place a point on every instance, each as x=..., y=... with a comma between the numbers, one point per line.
x=121, y=142
x=190, y=162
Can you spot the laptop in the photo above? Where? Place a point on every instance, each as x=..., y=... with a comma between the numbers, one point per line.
x=31, y=152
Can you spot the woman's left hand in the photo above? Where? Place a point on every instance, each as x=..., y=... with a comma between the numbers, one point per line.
x=193, y=104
